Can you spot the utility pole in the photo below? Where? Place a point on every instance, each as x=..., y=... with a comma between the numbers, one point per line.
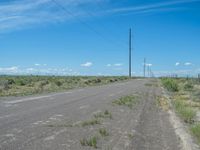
x=144, y=67
x=148, y=70
x=150, y=73
x=130, y=53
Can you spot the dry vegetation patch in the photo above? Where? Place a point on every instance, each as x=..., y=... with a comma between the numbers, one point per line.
x=28, y=85
x=162, y=102
x=128, y=101
x=186, y=101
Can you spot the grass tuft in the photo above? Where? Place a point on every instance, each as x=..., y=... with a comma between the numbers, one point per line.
x=195, y=129
x=126, y=101
x=90, y=122
x=92, y=142
x=105, y=114
x=103, y=132
x=130, y=135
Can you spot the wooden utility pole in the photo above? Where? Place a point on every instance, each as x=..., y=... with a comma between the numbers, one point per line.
x=130, y=52
x=144, y=67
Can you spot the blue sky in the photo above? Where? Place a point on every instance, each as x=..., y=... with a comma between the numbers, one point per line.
x=90, y=37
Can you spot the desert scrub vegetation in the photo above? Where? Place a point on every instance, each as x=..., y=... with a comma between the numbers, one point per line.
x=187, y=113
x=186, y=101
x=128, y=101
x=170, y=84
x=28, y=85
x=162, y=102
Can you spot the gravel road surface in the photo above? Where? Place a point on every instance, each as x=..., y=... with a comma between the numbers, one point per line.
x=56, y=121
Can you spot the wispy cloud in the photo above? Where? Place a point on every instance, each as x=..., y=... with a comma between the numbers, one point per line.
x=20, y=14
x=24, y=13
x=150, y=7
x=87, y=64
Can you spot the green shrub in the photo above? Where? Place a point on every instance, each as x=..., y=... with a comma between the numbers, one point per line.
x=188, y=86
x=10, y=81
x=170, y=84
x=58, y=83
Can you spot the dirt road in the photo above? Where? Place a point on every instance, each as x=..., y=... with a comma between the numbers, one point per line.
x=87, y=118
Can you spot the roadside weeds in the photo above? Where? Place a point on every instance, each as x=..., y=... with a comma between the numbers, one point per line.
x=185, y=108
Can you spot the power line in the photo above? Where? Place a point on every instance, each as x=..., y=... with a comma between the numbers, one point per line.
x=81, y=21
x=103, y=25
x=112, y=20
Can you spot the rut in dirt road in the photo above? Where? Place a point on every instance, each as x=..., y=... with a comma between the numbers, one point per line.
x=154, y=131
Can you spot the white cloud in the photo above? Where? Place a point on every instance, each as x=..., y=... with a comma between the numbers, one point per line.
x=177, y=63
x=87, y=64
x=37, y=64
x=108, y=65
x=188, y=64
x=9, y=70
x=40, y=64
x=118, y=65
x=30, y=69
x=36, y=71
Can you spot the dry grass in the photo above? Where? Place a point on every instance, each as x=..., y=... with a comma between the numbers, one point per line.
x=105, y=114
x=28, y=85
x=128, y=101
x=90, y=122
x=162, y=102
